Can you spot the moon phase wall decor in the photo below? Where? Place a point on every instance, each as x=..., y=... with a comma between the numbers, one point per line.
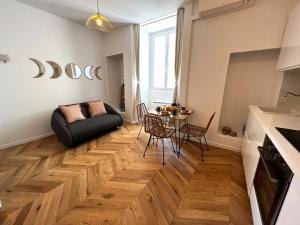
x=56, y=69
x=87, y=72
x=97, y=73
x=40, y=66
x=72, y=70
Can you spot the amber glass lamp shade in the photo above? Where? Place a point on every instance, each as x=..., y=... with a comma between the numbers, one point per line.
x=99, y=22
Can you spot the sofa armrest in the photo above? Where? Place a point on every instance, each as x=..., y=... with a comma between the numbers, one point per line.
x=111, y=110
x=59, y=126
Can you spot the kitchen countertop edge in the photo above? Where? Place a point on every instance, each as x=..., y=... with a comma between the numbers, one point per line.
x=269, y=122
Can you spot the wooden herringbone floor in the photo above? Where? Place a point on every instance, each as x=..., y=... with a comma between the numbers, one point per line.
x=107, y=181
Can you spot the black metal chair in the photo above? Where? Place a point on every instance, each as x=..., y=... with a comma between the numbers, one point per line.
x=141, y=112
x=197, y=132
x=155, y=127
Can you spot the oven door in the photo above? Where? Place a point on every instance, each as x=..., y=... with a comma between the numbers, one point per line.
x=270, y=191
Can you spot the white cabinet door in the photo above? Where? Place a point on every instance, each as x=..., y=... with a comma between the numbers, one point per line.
x=254, y=208
x=290, y=52
x=254, y=137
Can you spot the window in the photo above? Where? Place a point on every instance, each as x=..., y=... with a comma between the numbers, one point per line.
x=162, y=58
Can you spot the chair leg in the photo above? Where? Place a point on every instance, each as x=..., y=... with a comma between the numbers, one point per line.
x=180, y=145
x=162, y=141
x=172, y=145
x=147, y=145
x=201, y=150
x=206, y=143
x=140, y=132
x=156, y=142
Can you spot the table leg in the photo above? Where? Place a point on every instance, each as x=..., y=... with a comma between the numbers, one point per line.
x=176, y=140
x=181, y=142
x=177, y=131
x=179, y=125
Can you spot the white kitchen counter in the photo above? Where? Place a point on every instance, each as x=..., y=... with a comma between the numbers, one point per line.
x=269, y=122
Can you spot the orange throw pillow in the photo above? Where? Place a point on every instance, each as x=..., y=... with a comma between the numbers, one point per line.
x=72, y=113
x=97, y=108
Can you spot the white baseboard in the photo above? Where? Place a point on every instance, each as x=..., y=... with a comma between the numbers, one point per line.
x=227, y=147
x=26, y=140
x=219, y=145
x=130, y=121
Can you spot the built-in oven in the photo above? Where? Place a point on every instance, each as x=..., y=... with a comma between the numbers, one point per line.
x=271, y=182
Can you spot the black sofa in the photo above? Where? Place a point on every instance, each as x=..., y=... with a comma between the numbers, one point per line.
x=75, y=133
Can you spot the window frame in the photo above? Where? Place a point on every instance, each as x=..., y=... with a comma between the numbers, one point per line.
x=167, y=33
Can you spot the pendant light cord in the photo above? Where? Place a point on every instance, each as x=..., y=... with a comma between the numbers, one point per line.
x=98, y=6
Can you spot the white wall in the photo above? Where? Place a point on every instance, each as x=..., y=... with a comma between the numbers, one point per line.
x=252, y=79
x=27, y=103
x=213, y=40
x=120, y=41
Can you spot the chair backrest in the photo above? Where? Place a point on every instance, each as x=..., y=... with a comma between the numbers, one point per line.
x=154, y=125
x=210, y=120
x=141, y=112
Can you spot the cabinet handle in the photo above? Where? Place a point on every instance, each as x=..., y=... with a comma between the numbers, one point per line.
x=269, y=172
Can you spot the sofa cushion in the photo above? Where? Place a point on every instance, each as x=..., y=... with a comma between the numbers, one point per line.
x=97, y=108
x=72, y=113
x=91, y=127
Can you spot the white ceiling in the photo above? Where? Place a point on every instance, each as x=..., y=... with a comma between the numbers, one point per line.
x=160, y=25
x=119, y=12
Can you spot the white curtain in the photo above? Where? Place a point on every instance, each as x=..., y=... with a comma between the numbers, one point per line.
x=136, y=31
x=178, y=54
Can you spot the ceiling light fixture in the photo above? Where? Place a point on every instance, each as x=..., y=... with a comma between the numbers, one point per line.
x=99, y=22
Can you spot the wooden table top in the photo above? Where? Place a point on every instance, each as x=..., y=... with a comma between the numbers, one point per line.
x=179, y=116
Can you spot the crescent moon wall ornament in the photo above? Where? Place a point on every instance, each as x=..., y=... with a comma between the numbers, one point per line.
x=97, y=73
x=87, y=72
x=73, y=71
x=57, y=71
x=41, y=67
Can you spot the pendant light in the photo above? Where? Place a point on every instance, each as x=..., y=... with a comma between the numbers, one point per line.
x=99, y=22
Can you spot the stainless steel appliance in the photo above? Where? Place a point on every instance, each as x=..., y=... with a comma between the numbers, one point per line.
x=271, y=182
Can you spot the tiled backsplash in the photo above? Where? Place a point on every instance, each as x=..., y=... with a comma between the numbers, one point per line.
x=291, y=83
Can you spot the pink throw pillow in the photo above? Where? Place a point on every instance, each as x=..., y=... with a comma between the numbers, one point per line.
x=72, y=113
x=97, y=108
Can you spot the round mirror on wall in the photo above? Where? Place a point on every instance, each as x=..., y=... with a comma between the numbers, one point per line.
x=73, y=71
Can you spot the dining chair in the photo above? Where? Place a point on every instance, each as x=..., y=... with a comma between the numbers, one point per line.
x=155, y=127
x=141, y=112
x=197, y=132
